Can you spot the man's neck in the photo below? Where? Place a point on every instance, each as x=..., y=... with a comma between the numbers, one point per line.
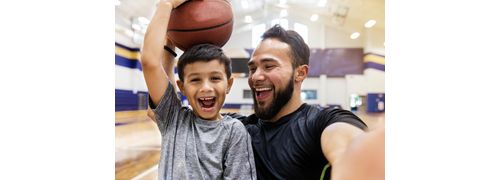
x=290, y=107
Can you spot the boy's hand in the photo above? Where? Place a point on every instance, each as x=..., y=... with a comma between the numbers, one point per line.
x=173, y=3
x=176, y=3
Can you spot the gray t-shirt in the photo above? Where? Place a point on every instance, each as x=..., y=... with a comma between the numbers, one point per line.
x=193, y=148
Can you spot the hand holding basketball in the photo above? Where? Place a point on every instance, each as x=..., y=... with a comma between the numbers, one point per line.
x=174, y=3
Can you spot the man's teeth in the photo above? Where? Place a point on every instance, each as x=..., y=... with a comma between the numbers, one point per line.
x=262, y=89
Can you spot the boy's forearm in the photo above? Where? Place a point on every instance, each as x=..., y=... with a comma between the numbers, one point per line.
x=153, y=53
x=155, y=35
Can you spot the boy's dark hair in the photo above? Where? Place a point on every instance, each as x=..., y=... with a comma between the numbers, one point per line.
x=205, y=53
x=298, y=48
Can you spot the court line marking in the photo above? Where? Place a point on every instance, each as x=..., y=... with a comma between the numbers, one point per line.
x=146, y=172
x=130, y=122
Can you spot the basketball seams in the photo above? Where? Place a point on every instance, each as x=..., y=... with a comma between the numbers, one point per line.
x=201, y=29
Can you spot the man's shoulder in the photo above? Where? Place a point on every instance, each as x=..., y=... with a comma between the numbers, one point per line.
x=246, y=120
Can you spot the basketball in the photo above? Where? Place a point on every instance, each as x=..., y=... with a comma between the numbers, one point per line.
x=200, y=21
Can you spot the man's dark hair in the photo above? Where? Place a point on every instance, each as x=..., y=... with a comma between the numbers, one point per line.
x=204, y=53
x=299, y=50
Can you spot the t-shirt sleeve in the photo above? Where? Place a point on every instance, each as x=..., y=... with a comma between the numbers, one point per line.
x=168, y=108
x=239, y=161
x=330, y=116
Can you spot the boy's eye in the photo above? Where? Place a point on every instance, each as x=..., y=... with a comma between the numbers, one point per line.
x=195, y=80
x=216, y=78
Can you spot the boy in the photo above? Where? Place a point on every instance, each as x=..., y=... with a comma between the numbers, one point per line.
x=197, y=143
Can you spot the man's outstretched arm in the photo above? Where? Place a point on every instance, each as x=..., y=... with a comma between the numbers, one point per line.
x=335, y=138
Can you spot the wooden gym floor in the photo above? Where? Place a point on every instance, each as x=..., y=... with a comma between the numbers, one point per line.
x=137, y=143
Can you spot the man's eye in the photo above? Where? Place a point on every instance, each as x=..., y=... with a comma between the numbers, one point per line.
x=270, y=67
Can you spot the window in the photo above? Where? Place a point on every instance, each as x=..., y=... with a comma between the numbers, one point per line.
x=302, y=30
x=257, y=32
x=308, y=95
x=247, y=94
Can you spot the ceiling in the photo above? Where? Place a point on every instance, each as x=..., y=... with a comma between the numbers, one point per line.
x=345, y=15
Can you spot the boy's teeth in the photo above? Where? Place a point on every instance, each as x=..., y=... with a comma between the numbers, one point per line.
x=205, y=99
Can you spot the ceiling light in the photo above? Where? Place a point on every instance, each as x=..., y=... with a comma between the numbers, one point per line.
x=248, y=19
x=282, y=2
x=117, y=2
x=314, y=17
x=355, y=35
x=283, y=13
x=322, y=3
x=370, y=23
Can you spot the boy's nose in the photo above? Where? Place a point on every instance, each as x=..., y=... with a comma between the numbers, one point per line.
x=206, y=87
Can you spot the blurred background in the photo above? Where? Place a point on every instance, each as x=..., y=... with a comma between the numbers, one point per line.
x=346, y=69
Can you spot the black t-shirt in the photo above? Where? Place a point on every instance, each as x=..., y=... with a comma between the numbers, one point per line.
x=290, y=148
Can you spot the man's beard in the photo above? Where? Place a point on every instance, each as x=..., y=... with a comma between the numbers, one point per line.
x=280, y=99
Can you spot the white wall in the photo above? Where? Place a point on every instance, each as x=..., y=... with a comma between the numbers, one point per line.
x=128, y=78
x=236, y=94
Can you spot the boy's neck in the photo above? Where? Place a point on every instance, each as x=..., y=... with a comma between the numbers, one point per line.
x=218, y=118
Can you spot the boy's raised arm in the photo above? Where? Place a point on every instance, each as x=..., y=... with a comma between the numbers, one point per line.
x=153, y=52
x=168, y=63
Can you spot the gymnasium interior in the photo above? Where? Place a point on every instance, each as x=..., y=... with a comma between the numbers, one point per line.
x=346, y=68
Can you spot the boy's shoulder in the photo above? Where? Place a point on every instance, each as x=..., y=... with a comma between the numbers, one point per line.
x=231, y=121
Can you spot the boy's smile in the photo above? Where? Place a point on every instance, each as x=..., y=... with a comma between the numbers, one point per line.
x=205, y=86
x=207, y=103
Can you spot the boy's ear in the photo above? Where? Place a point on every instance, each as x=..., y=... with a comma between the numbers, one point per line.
x=229, y=84
x=180, y=85
x=302, y=71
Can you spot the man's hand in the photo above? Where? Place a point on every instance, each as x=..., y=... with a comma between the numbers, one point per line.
x=336, y=138
x=363, y=159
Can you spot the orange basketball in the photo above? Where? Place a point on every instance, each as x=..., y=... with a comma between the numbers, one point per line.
x=201, y=21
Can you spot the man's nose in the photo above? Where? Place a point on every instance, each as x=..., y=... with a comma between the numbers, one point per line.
x=258, y=75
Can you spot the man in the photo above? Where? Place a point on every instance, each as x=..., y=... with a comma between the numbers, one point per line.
x=291, y=139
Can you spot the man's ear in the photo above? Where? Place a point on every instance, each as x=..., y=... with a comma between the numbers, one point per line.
x=180, y=85
x=229, y=84
x=302, y=72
